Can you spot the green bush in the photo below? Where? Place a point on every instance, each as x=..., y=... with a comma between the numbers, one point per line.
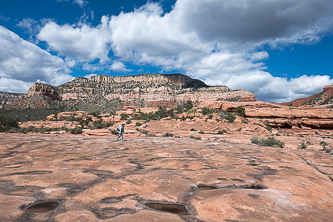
x=167, y=134
x=302, y=146
x=123, y=116
x=138, y=124
x=230, y=117
x=268, y=126
x=222, y=131
x=76, y=130
x=270, y=141
x=328, y=150
x=206, y=111
x=240, y=111
x=193, y=129
x=245, y=121
x=129, y=121
x=323, y=144
x=95, y=113
x=188, y=105
x=195, y=137
x=113, y=132
x=202, y=132
x=7, y=123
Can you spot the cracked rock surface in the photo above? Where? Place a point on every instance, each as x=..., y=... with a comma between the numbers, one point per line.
x=160, y=179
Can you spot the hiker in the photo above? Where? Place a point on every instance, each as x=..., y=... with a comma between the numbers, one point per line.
x=121, y=130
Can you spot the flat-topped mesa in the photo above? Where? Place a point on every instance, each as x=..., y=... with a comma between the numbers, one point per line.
x=172, y=79
x=43, y=89
x=329, y=87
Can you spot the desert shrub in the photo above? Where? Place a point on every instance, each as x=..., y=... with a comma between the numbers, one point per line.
x=230, y=117
x=328, y=150
x=113, y=132
x=151, y=135
x=210, y=116
x=84, y=122
x=206, y=111
x=222, y=131
x=76, y=130
x=177, y=136
x=195, y=137
x=100, y=125
x=7, y=123
x=302, y=146
x=270, y=141
x=95, y=113
x=268, y=126
x=202, y=132
x=240, y=111
x=123, y=116
x=162, y=112
x=144, y=132
x=167, y=134
x=188, y=105
x=245, y=121
x=129, y=121
x=323, y=144
x=138, y=124
x=193, y=129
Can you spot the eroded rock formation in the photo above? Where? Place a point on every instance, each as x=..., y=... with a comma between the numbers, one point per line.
x=142, y=90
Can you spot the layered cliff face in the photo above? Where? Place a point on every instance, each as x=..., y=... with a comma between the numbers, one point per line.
x=9, y=98
x=323, y=98
x=141, y=90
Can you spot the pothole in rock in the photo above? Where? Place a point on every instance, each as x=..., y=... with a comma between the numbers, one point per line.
x=255, y=187
x=206, y=187
x=43, y=207
x=169, y=207
x=253, y=164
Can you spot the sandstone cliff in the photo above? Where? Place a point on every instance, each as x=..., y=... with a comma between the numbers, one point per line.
x=8, y=98
x=144, y=90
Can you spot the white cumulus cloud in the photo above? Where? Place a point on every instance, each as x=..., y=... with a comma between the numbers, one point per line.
x=24, y=62
x=119, y=67
x=84, y=43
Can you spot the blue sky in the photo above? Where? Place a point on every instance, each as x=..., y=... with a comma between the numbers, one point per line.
x=279, y=50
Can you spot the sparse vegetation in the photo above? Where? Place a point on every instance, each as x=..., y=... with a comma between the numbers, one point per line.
x=167, y=134
x=201, y=132
x=230, y=117
x=207, y=111
x=270, y=141
x=161, y=113
x=193, y=129
x=129, y=121
x=138, y=124
x=76, y=130
x=195, y=137
x=302, y=146
x=7, y=123
x=245, y=121
x=323, y=144
x=222, y=131
x=240, y=111
x=268, y=126
x=113, y=132
x=123, y=116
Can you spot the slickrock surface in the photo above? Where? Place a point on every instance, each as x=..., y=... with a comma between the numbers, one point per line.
x=160, y=179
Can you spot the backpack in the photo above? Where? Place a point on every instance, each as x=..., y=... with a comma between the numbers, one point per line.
x=119, y=128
